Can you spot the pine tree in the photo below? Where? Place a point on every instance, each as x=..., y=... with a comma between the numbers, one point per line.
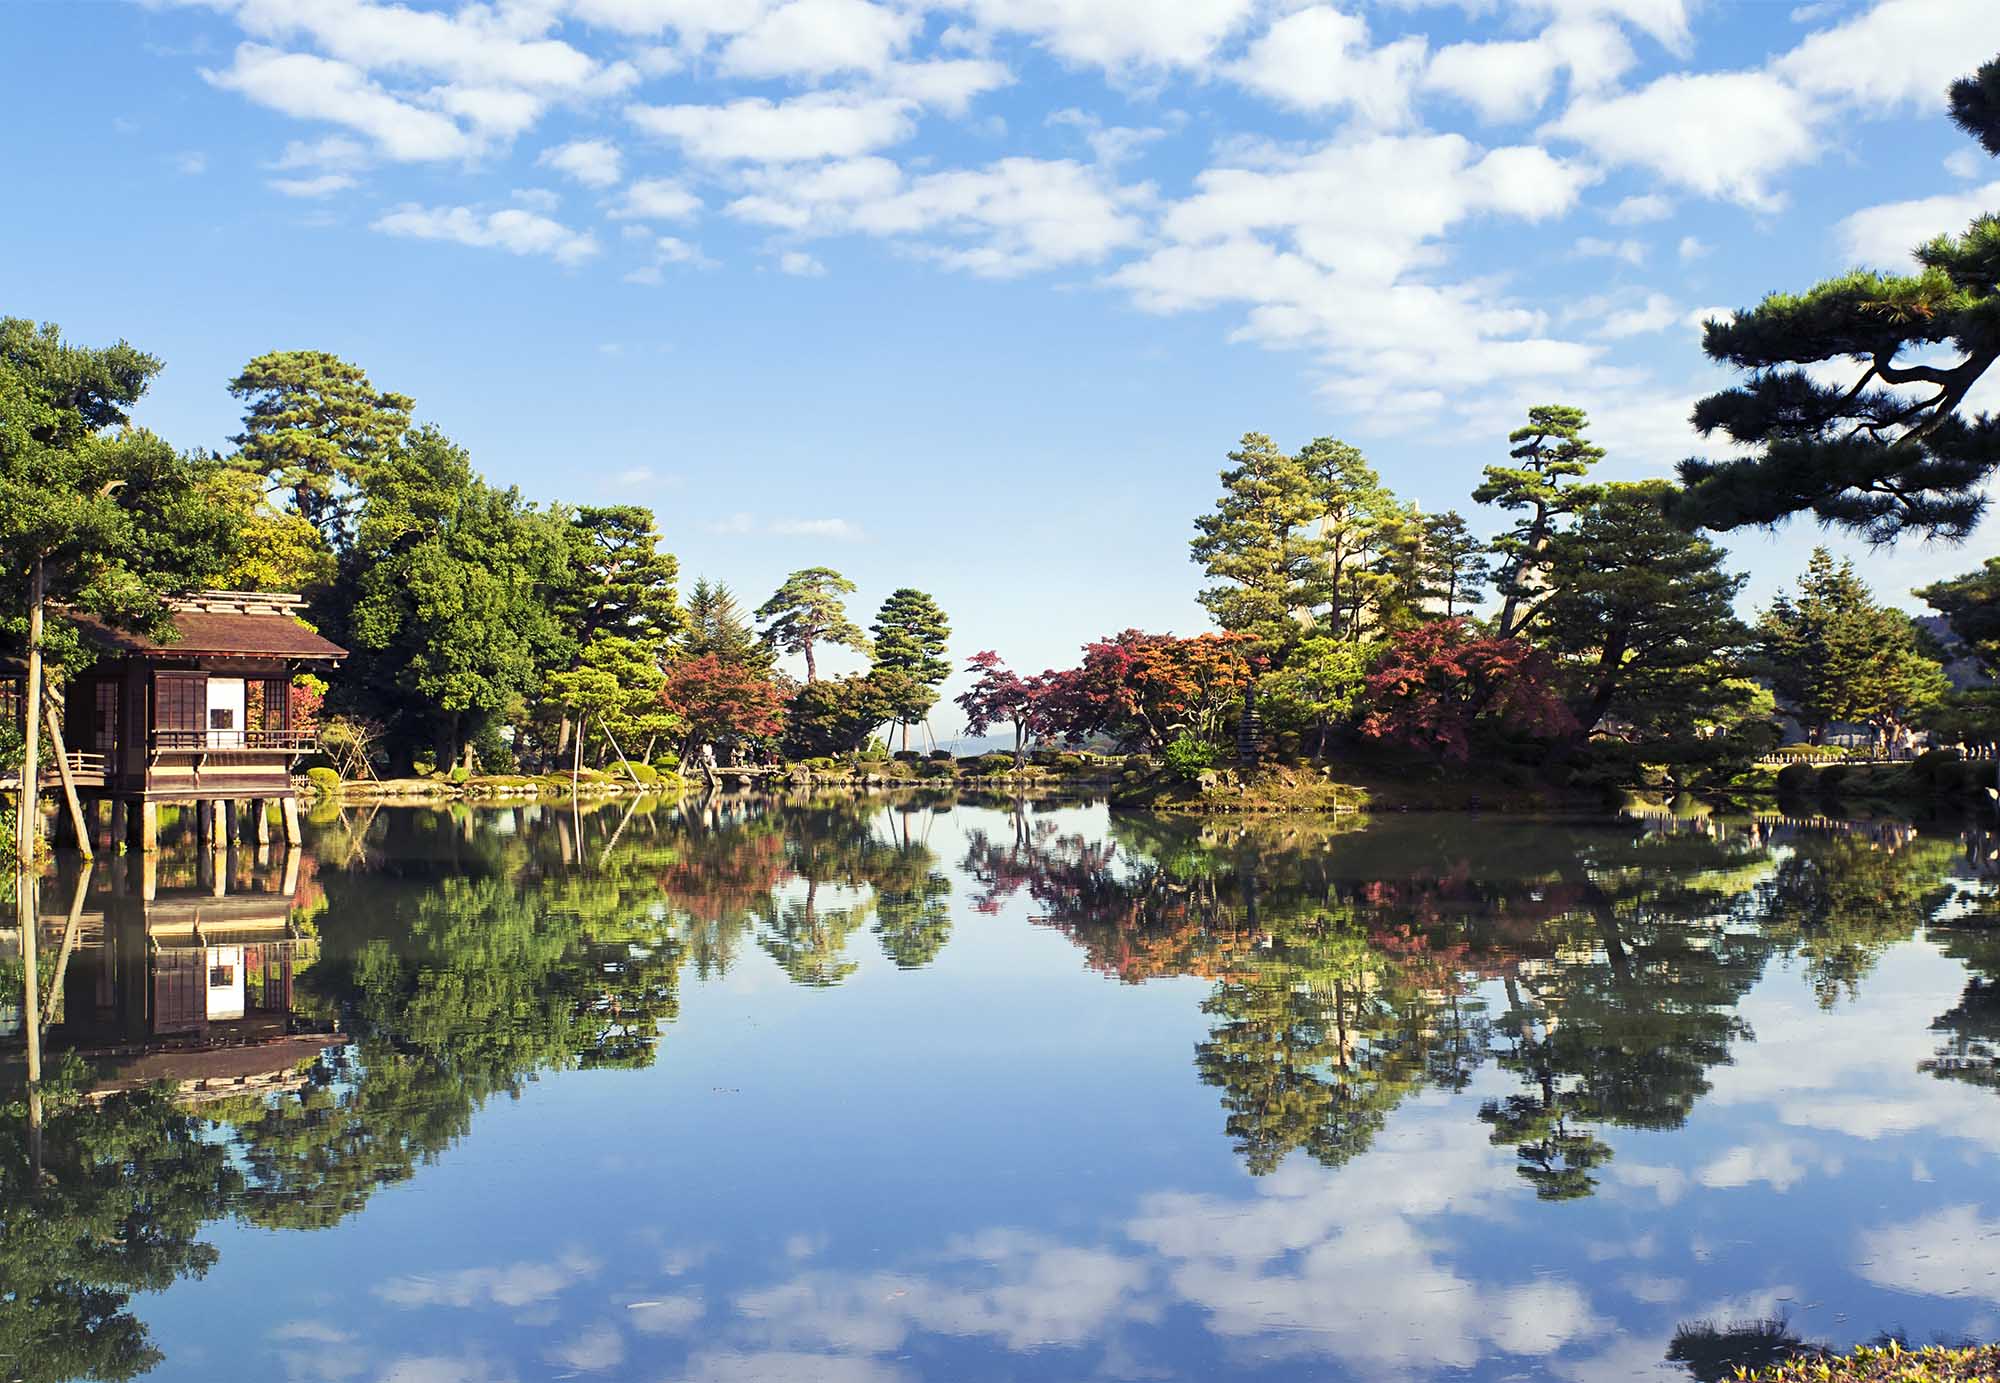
x=716, y=626
x=1351, y=519
x=1251, y=545
x=1455, y=570
x=911, y=635
x=1832, y=654
x=1642, y=622
x=314, y=429
x=807, y=610
x=1552, y=450
x=1891, y=452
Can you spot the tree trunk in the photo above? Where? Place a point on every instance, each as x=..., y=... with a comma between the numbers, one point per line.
x=31, y=794
x=812, y=668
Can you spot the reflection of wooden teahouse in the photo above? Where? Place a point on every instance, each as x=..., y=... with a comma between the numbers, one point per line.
x=193, y=985
x=205, y=718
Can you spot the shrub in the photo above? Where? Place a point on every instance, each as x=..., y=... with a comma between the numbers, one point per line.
x=458, y=775
x=1889, y=1363
x=1833, y=777
x=907, y=756
x=646, y=774
x=1942, y=771
x=326, y=783
x=940, y=756
x=1189, y=756
x=1795, y=780
x=938, y=768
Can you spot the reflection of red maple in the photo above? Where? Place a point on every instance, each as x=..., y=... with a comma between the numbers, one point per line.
x=722, y=878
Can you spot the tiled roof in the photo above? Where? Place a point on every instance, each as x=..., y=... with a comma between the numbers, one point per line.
x=220, y=623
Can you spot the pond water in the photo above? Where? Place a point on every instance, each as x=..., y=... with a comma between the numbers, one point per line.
x=864, y=1090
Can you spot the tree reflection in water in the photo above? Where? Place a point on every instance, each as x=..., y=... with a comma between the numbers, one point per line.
x=463, y=954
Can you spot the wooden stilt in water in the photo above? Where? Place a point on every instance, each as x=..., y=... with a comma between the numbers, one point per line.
x=290, y=810
x=149, y=827
x=76, y=822
x=260, y=816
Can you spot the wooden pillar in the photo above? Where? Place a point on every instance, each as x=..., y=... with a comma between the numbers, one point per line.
x=260, y=816
x=291, y=813
x=93, y=820
x=204, y=822
x=121, y=831
x=225, y=821
x=149, y=826
x=149, y=875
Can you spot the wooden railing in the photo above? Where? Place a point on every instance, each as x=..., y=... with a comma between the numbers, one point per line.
x=213, y=741
x=84, y=763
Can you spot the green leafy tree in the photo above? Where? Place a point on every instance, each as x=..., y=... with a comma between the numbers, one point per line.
x=911, y=635
x=96, y=517
x=448, y=602
x=835, y=715
x=1890, y=451
x=623, y=582
x=274, y=549
x=1641, y=618
x=1970, y=605
x=616, y=686
x=1832, y=654
x=314, y=429
x=1252, y=548
x=1317, y=689
x=806, y=611
x=1544, y=490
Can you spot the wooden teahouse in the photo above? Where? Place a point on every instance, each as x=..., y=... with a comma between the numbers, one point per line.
x=205, y=718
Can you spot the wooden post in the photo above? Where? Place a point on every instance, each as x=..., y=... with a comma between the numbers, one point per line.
x=289, y=809
x=149, y=827
x=204, y=817
x=31, y=787
x=260, y=816
x=77, y=826
x=120, y=832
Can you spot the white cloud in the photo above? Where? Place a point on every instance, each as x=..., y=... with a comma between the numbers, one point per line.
x=1511, y=79
x=1897, y=53
x=335, y=153
x=800, y=264
x=813, y=38
x=823, y=125
x=843, y=530
x=948, y=84
x=1966, y=164
x=192, y=164
x=657, y=199
x=537, y=198
x=513, y=230
x=1883, y=236
x=1636, y=211
x=1110, y=145
x=1318, y=59
x=1015, y=216
x=1947, y=1253
x=1596, y=247
x=597, y=1348
x=1692, y=247
x=516, y=1285
x=1118, y=34
x=314, y=88
x=319, y=186
x=592, y=162
x=1657, y=313
x=666, y=1315
x=1720, y=134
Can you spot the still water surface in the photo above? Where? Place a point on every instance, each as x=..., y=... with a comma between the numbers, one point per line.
x=861, y=1091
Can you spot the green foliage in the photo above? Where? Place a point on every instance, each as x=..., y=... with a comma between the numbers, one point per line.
x=807, y=611
x=1970, y=605
x=835, y=715
x=1889, y=1363
x=324, y=780
x=315, y=428
x=1252, y=546
x=911, y=635
x=1318, y=689
x=1640, y=618
x=1188, y=756
x=1832, y=654
x=1452, y=566
x=1544, y=490
x=117, y=519
x=448, y=584
x=716, y=626
x=1872, y=454
x=273, y=549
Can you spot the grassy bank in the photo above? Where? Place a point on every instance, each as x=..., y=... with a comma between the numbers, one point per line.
x=1889, y=1364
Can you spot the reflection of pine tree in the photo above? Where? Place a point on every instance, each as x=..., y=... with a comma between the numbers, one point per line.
x=1970, y=1051
x=1840, y=899
x=125, y=1187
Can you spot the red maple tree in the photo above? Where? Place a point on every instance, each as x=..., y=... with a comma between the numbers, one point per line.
x=1438, y=679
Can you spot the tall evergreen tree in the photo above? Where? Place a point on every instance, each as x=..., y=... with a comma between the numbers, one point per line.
x=715, y=625
x=624, y=582
x=807, y=610
x=1641, y=620
x=911, y=634
x=1545, y=490
x=92, y=520
x=1455, y=569
x=1832, y=654
x=1352, y=522
x=314, y=429
x=1892, y=450
x=1970, y=605
x=1252, y=547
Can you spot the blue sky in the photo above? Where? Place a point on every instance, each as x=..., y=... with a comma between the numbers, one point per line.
x=976, y=296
